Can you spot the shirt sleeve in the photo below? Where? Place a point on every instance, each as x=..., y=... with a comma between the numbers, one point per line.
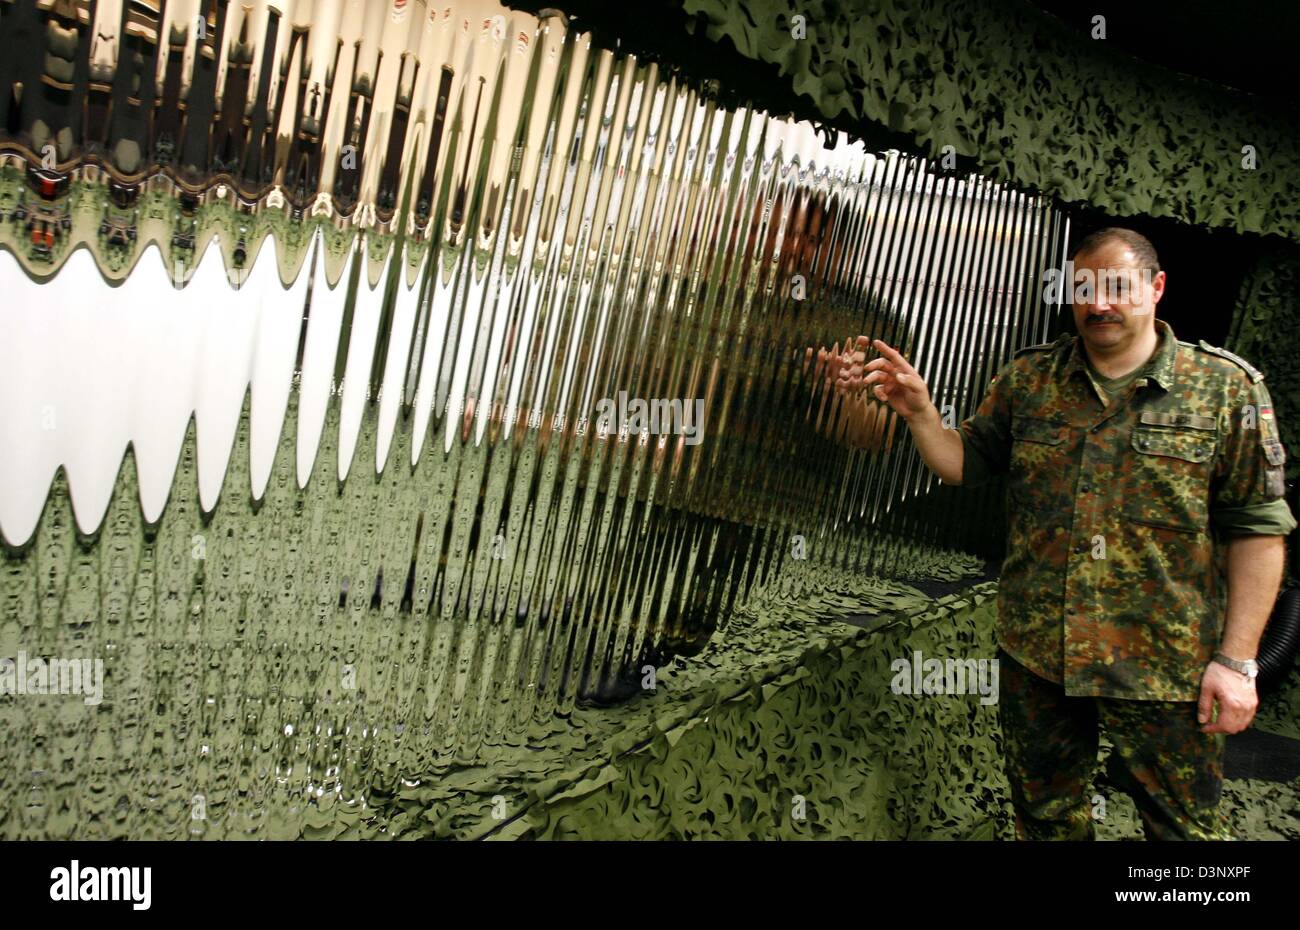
x=1249, y=484
x=986, y=434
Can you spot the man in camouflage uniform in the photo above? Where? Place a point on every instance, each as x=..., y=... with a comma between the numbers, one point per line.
x=1145, y=546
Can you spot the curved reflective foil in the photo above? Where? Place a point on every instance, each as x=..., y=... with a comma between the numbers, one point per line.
x=379, y=380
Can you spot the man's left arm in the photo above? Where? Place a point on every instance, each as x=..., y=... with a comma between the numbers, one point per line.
x=1250, y=512
x=1254, y=576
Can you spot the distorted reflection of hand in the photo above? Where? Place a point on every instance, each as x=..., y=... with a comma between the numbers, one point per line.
x=847, y=413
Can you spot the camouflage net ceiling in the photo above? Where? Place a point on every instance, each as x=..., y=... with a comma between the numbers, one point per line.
x=1005, y=85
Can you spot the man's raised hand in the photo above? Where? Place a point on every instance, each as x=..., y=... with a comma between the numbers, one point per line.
x=894, y=381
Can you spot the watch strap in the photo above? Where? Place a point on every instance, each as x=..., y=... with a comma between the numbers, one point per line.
x=1247, y=667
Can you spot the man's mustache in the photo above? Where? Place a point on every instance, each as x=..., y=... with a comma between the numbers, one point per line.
x=1104, y=319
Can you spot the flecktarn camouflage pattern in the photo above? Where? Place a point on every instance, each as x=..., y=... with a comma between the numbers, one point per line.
x=1114, y=579
x=1171, y=770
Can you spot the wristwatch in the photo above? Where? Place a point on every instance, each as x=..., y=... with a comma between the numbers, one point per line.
x=1247, y=667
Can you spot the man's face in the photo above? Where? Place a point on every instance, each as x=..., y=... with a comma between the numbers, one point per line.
x=1114, y=300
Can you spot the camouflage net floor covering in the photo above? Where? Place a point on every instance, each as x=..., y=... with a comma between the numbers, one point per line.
x=224, y=717
x=826, y=738
x=703, y=753
x=869, y=763
x=786, y=726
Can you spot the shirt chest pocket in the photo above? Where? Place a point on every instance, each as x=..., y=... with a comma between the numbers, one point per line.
x=1040, y=471
x=1168, y=479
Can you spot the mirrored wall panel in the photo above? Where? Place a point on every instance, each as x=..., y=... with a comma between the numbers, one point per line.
x=378, y=380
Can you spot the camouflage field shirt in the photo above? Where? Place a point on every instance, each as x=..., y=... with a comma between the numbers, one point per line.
x=1114, y=582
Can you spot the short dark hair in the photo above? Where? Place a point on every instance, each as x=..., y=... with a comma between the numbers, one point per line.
x=1143, y=250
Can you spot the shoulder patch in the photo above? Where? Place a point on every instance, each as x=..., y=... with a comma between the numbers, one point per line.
x=1255, y=374
x=1042, y=346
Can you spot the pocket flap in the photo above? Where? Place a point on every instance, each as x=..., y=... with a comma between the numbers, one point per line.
x=1274, y=452
x=1186, y=445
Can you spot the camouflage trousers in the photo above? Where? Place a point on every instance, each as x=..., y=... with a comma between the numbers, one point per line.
x=1172, y=770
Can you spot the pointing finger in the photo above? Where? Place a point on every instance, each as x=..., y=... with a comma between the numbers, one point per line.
x=893, y=355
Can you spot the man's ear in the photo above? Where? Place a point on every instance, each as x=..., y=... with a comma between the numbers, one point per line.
x=1157, y=287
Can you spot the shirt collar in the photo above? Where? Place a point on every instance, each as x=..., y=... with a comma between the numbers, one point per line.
x=1158, y=368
